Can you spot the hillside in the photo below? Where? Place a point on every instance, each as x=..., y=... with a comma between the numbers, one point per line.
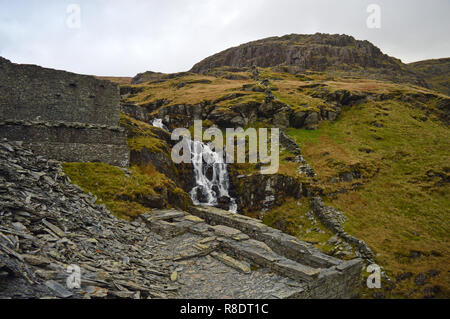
x=363, y=177
x=435, y=72
x=378, y=151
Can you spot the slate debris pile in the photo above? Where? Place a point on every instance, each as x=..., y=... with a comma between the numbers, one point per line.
x=48, y=224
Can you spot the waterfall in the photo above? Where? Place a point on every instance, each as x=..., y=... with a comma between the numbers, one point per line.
x=212, y=182
x=159, y=123
x=211, y=177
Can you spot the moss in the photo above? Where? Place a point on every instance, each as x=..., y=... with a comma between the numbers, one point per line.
x=151, y=143
x=123, y=195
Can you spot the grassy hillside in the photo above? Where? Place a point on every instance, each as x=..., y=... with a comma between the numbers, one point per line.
x=383, y=161
x=435, y=72
x=402, y=207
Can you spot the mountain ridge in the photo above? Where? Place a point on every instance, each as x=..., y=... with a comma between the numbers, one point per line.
x=331, y=53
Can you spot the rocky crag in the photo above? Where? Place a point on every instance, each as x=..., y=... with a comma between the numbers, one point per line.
x=62, y=115
x=47, y=224
x=295, y=53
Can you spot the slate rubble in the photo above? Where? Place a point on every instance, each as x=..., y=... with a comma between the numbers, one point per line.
x=47, y=224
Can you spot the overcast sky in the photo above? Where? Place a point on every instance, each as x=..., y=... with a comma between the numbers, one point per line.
x=125, y=37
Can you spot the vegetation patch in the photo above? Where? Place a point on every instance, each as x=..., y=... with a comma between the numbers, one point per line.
x=393, y=211
x=127, y=193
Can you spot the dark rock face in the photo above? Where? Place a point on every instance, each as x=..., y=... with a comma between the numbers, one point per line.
x=61, y=115
x=155, y=77
x=224, y=203
x=318, y=52
x=258, y=192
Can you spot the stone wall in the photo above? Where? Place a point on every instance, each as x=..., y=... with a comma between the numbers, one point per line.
x=249, y=239
x=62, y=115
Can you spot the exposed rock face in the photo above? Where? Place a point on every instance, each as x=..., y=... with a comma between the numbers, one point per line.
x=248, y=239
x=319, y=52
x=151, y=76
x=62, y=115
x=262, y=192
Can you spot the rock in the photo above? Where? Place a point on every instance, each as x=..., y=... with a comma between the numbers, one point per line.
x=67, y=234
x=19, y=226
x=224, y=231
x=404, y=276
x=431, y=292
x=296, y=53
x=420, y=279
x=312, y=120
x=432, y=273
x=281, y=119
x=58, y=289
x=36, y=260
x=298, y=119
x=227, y=260
x=96, y=292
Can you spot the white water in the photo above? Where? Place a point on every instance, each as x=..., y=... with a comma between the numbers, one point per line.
x=159, y=123
x=210, y=172
x=211, y=176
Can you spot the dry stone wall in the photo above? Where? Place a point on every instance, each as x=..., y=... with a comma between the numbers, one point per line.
x=62, y=115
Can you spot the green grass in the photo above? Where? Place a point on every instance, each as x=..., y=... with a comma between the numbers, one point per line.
x=126, y=196
x=398, y=209
x=291, y=218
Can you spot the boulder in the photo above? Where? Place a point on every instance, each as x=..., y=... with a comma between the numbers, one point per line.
x=311, y=121
x=298, y=119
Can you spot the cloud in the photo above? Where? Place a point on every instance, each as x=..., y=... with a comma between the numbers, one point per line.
x=127, y=37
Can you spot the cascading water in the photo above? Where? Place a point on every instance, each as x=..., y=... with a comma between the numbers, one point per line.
x=211, y=175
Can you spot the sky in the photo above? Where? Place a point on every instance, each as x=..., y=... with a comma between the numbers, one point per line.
x=126, y=37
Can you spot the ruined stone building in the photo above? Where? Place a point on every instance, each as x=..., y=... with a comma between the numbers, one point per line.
x=61, y=115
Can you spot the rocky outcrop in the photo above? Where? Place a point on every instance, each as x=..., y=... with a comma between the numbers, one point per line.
x=339, y=54
x=258, y=192
x=62, y=115
x=70, y=142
